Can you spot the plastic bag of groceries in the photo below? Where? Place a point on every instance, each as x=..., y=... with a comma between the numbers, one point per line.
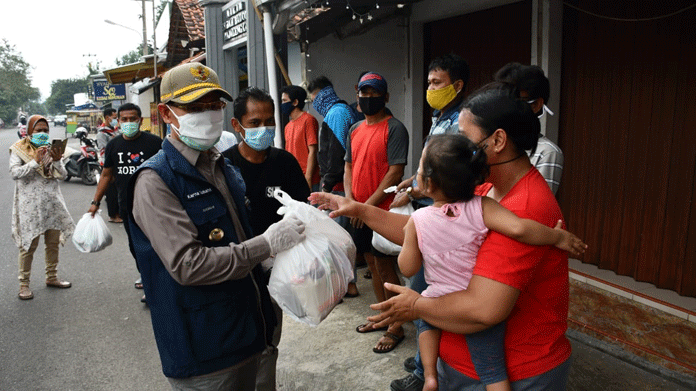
x=91, y=234
x=308, y=280
x=382, y=244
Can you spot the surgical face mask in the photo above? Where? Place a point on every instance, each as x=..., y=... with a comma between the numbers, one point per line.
x=439, y=99
x=39, y=139
x=286, y=108
x=130, y=129
x=371, y=105
x=259, y=138
x=200, y=131
x=113, y=123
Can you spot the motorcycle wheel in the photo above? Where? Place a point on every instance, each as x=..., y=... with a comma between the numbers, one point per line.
x=89, y=176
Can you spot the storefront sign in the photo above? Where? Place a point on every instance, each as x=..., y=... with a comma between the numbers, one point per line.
x=104, y=91
x=235, y=23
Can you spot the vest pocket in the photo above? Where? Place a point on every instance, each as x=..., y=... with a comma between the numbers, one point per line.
x=221, y=327
x=204, y=209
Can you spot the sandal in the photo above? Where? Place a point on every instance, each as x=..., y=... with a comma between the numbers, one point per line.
x=25, y=293
x=56, y=283
x=138, y=284
x=365, y=330
x=395, y=338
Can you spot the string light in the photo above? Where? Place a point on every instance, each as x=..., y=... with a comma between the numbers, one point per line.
x=357, y=15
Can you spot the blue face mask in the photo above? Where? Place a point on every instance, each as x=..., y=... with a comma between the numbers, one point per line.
x=130, y=129
x=286, y=108
x=113, y=123
x=259, y=138
x=40, y=139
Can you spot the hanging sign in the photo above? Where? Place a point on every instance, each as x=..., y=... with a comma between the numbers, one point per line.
x=234, y=23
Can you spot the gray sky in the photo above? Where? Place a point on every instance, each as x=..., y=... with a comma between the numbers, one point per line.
x=56, y=37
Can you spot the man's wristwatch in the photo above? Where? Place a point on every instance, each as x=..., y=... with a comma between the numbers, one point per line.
x=409, y=190
x=97, y=203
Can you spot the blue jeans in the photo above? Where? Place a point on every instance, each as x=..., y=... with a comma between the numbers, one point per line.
x=486, y=349
x=449, y=379
x=418, y=284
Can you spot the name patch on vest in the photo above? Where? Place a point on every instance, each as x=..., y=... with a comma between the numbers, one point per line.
x=199, y=193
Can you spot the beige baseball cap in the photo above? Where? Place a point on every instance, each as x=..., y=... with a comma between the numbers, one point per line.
x=186, y=83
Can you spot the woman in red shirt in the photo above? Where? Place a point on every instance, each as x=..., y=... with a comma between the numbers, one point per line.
x=527, y=285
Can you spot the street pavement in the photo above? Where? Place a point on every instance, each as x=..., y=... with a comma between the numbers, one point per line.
x=97, y=335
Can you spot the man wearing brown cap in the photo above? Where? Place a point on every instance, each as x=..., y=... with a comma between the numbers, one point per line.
x=211, y=312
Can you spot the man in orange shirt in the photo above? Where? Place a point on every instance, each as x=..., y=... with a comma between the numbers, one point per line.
x=301, y=133
x=376, y=153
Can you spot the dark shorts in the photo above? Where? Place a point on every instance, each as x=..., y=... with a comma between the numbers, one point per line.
x=362, y=237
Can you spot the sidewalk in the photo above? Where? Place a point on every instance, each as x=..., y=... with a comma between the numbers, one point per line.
x=333, y=356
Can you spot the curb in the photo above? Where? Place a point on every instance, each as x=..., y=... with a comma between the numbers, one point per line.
x=630, y=358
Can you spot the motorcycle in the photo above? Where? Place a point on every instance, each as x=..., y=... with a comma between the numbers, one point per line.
x=83, y=164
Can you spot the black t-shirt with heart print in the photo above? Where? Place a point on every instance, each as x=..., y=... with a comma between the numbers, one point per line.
x=125, y=156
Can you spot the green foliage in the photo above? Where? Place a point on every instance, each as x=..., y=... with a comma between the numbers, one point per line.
x=15, y=82
x=62, y=93
x=36, y=107
x=132, y=57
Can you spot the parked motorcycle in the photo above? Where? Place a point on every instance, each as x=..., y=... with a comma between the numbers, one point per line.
x=83, y=164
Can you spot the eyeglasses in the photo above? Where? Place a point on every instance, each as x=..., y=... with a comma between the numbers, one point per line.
x=201, y=106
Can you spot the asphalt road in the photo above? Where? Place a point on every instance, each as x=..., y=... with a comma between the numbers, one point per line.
x=97, y=335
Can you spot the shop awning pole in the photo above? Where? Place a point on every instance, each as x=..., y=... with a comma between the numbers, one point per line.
x=272, y=79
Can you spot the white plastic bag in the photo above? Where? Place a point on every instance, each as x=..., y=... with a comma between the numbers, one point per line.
x=308, y=280
x=91, y=234
x=382, y=244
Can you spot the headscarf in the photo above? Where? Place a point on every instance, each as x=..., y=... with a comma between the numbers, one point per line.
x=27, y=151
x=33, y=120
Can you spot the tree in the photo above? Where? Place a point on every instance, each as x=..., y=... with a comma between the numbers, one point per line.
x=15, y=82
x=62, y=93
x=132, y=57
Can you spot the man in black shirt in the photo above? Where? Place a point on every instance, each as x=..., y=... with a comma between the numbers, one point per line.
x=264, y=169
x=122, y=156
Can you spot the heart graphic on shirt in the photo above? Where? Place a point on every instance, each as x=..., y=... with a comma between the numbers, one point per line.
x=134, y=157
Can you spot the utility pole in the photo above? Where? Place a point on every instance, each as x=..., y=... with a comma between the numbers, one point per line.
x=144, y=31
x=154, y=35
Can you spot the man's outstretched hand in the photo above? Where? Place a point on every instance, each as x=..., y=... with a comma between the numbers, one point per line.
x=340, y=206
x=398, y=309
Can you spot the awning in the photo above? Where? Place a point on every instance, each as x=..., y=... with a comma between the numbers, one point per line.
x=133, y=72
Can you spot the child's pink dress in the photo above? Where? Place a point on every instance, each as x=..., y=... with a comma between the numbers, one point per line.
x=449, y=244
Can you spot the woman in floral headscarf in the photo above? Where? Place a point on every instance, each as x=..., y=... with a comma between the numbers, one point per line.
x=38, y=207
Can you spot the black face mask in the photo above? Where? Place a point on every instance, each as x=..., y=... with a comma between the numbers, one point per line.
x=371, y=105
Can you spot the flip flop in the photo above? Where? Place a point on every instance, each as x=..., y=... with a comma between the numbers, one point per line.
x=138, y=284
x=397, y=340
x=370, y=330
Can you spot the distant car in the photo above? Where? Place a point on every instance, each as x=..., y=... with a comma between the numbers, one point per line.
x=60, y=120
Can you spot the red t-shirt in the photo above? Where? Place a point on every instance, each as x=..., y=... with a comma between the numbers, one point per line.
x=535, y=339
x=369, y=160
x=299, y=135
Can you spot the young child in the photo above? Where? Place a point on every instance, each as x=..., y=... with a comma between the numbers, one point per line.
x=445, y=238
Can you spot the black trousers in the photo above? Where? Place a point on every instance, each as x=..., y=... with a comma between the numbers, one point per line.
x=112, y=200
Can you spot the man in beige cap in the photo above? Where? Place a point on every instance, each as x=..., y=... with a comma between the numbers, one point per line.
x=200, y=264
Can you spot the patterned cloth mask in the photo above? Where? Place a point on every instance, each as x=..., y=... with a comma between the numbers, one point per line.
x=40, y=139
x=324, y=100
x=259, y=138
